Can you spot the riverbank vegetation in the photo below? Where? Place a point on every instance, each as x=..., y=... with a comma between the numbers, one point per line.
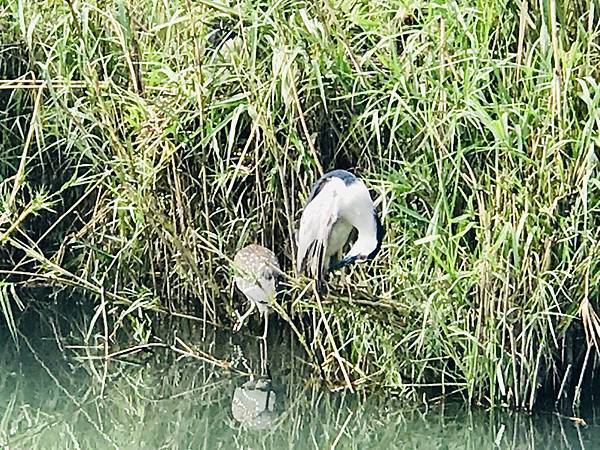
x=144, y=142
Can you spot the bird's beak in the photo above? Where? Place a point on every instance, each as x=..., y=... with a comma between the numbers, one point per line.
x=343, y=262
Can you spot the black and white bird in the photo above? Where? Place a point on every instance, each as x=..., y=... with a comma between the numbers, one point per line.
x=256, y=274
x=338, y=203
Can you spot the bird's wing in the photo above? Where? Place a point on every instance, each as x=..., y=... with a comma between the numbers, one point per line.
x=316, y=188
x=316, y=222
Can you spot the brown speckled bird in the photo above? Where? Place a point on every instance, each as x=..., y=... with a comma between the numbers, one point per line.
x=257, y=270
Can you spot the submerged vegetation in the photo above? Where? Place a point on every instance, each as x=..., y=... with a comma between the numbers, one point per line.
x=142, y=143
x=48, y=402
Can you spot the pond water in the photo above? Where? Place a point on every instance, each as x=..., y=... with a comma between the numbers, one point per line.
x=57, y=396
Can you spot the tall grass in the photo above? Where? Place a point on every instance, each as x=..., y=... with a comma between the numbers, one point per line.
x=143, y=143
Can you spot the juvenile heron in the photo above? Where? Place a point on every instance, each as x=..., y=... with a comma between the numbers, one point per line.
x=257, y=270
x=338, y=202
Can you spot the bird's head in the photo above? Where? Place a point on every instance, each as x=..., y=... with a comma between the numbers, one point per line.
x=363, y=256
x=268, y=280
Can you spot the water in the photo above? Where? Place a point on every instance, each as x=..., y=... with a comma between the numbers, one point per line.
x=53, y=398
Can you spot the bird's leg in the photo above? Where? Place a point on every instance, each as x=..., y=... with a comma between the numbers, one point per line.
x=266, y=330
x=346, y=284
x=263, y=358
x=344, y=277
x=241, y=319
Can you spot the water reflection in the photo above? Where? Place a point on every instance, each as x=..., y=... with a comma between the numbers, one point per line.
x=49, y=399
x=253, y=404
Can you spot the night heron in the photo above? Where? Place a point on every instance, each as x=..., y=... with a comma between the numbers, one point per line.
x=338, y=203
x=257, y=270
x=253, y=404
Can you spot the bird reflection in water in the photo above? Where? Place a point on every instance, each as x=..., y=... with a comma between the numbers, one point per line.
x=254, y=403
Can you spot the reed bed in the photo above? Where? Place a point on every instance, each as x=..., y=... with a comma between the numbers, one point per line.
x=143, y=142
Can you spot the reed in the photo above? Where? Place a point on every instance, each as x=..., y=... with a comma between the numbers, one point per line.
x=143, y=143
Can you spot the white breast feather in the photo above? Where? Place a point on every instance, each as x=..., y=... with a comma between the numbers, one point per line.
x=252, y=291
x=358, y=209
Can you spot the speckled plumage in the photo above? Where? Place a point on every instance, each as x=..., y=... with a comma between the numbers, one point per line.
x=253, y=404
x=257, y=270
